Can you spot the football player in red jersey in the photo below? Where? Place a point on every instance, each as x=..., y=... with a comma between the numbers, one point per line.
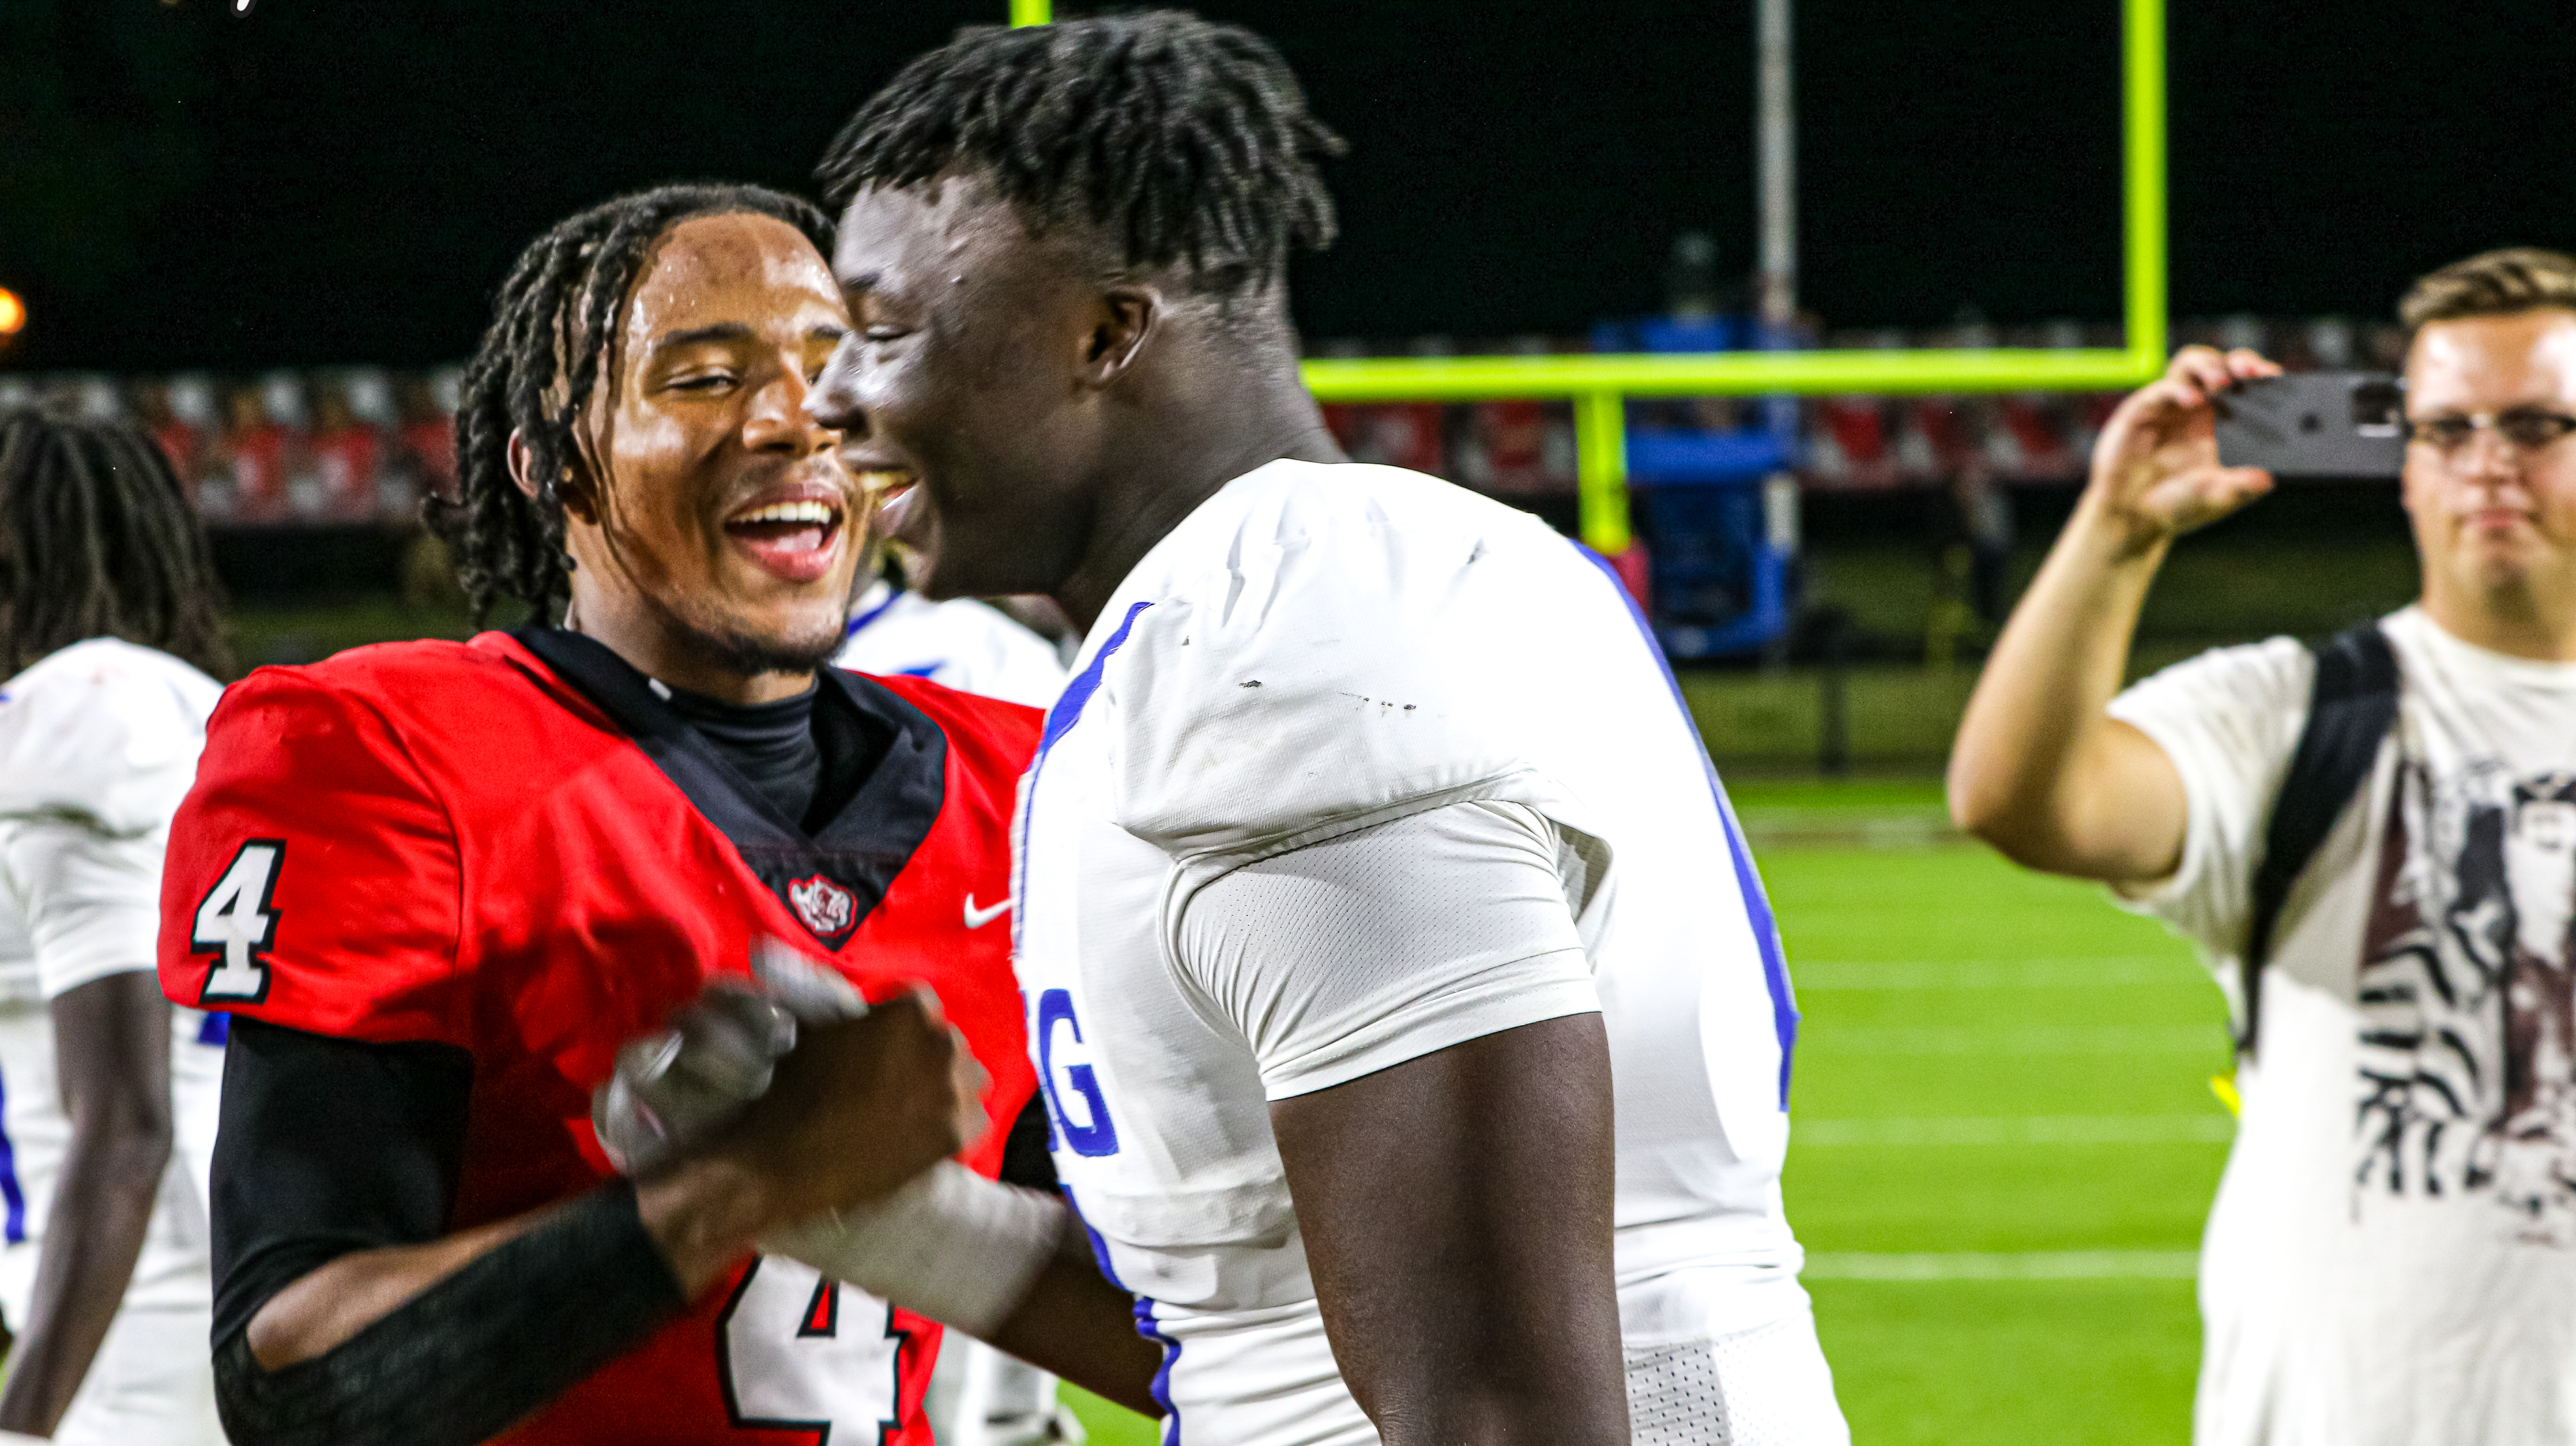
x=438, y=885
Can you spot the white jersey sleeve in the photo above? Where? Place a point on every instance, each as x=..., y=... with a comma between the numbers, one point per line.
x=98, y=745
x=92, y=905
x=1334, y=669
x=2229, y=719
x=1385, y=944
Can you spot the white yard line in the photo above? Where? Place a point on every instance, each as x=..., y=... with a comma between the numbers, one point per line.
x=2203, y=1039
x=2003, y=1265
x=2209, y=1128
x=1874, y=977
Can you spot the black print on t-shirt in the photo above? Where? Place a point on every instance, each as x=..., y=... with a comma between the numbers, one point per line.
x=2468, y=996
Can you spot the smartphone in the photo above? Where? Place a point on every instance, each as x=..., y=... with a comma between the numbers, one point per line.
x=2315, y=424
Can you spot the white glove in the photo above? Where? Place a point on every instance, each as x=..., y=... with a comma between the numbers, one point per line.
x=680, y=1084
x=960, y=1249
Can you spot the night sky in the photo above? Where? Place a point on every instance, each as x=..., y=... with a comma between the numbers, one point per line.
x=328, y=181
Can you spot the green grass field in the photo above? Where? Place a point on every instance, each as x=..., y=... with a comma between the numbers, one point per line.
x=2004, y=1136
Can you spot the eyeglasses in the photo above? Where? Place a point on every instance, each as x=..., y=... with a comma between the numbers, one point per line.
x=2524, y=429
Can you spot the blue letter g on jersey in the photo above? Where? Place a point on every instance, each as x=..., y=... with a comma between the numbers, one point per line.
x=1095, y=1136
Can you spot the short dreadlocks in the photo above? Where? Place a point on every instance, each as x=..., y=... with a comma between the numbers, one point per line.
x=97, y=540
x=1181, y=142
x=540, y=363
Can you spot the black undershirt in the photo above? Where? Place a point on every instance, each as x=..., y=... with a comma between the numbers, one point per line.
x=808, y=761
x=770, y=744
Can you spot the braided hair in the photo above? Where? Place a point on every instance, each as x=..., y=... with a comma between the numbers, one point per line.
x=97, y=539
x=1179, y=141
x=537, y=370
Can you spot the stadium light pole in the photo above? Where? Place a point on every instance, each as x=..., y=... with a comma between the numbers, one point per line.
x=1597, y=383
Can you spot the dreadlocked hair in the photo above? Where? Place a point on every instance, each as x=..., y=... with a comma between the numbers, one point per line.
x=537, y=370
x=97, y=539
x=1182, y=142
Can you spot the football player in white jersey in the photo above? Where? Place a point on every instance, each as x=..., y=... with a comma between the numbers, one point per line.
x=1412, y=1019
x=1412, y=1023
x=110, y=622
x=961, y=643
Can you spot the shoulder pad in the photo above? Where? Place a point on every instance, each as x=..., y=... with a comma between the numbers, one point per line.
x=103, y=734
x=1339, y=653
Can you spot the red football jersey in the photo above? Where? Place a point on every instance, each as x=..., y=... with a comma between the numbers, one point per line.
x=513, y=847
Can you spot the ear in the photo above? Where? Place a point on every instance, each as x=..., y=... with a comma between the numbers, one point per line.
x=523, y=464
x=1124, y=320
x=568, y=489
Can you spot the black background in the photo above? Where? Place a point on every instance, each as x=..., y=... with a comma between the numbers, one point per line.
x=326, y=181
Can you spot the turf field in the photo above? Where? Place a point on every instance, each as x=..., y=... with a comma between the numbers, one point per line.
x=2004, y=1135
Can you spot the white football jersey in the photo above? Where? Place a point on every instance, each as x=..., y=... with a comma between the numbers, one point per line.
x=1320, y=649
x=961, y=644
x=98, y=744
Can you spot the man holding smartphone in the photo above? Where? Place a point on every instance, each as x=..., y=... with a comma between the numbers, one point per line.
x=2392, y=1254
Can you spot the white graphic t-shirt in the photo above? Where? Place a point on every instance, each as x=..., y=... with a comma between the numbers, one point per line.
x=2392, y=1255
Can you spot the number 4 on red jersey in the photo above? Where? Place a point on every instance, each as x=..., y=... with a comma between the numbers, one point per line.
x=235, y=921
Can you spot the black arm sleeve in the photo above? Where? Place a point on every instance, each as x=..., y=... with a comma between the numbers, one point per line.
x=327, y=1146
x=485, y=1347
x=332, y=1146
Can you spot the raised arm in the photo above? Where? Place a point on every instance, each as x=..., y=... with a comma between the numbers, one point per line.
x=1456, y=1210
x=2040, y=769
x=112, y=1051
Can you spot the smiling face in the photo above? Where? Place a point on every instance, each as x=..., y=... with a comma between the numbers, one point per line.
x=721, y=542
x=2495, y=522
x=963, y=384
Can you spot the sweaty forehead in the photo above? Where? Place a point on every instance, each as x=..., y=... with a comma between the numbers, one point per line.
x=937, y=233
x=2483, y=362
x=749, y=270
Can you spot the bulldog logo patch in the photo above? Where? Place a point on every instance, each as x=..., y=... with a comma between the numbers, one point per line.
x=823, y=906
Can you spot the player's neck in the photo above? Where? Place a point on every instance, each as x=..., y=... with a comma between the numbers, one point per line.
x=1178, y=457
x=667, y=650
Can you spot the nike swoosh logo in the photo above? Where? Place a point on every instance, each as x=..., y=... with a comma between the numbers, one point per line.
x=977, y=918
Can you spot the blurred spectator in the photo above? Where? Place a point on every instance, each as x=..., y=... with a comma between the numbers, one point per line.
x=1394, y=434
x=2030, y=439
x=1939, y=439
x=289, y=404
x=347, y=453
x=1402, y=434
x=1848, y=443
x=1522, y=451
x=254, y=455
x=180, y=439
x=428, y=430
x=1985, y=520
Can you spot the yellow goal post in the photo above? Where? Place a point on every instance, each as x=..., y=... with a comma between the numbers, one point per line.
x=1599, y=383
